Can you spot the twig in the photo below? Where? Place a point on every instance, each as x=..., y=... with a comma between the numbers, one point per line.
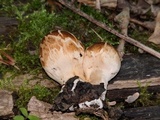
x=102, y=25
x=148, y=25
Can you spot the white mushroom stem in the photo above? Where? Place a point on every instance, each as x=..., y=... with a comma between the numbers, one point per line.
x=155, y=37
x=123, y=20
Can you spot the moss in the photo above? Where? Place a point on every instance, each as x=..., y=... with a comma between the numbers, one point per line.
x=145, y=96
x=145, y=99
x=6, y=84
x=23, y=93
x=42, y=93
x=35, y=22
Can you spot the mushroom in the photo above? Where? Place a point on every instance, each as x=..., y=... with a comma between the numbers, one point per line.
x=83, y=74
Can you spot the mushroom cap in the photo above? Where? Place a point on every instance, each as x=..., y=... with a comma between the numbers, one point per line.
x=101, y=63
x=61, y=56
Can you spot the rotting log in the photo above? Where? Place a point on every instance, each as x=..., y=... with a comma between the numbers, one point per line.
x=145, y=69
x=143, y=113
x=119, y=95
x=142, y=68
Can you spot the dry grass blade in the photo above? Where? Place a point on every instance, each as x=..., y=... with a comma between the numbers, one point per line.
x=10, y=60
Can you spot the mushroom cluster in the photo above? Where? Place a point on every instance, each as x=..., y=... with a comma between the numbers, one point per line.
x=83, y=73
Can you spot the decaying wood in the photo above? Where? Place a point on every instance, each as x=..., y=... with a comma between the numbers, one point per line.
x=132, y=83
x=142, y=69
x=143, y=113
x=102, y=25
x=119, y=95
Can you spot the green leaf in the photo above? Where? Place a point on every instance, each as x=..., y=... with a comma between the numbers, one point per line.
x=18, y=117
x=24, y=112
x=32, y=117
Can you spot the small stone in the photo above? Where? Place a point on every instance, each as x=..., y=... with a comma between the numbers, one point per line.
x=42, y=110
x=6, y=103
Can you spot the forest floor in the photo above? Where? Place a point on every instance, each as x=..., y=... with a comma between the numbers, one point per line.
x=23, y=24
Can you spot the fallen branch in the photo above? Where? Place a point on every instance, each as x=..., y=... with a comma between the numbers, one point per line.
x=102, y=25
x=149, y=25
